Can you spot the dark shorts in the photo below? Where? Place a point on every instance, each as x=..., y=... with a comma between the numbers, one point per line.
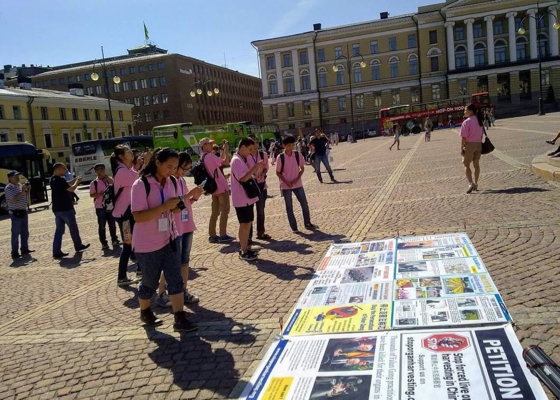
x=186, y=246
x=245, y=214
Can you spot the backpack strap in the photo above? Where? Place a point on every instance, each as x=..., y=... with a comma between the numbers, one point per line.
x=174, y=180
x=95, y=184
x=146, y=185
x=283, y=159
x=296, y=153
x=261, y=153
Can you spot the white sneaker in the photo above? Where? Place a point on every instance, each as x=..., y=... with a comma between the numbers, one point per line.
x=163, y=300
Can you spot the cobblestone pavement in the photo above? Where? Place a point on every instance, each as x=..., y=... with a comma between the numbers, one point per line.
x=68, y=332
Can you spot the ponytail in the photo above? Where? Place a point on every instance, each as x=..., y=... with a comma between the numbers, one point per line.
x=119, y=151
x=477, y=112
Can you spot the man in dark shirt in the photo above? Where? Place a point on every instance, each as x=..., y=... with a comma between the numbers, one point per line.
x=318, y=145
x=63, y=209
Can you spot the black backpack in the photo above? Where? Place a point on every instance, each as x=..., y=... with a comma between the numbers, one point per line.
x=200, y=175
x=282, y=158
x=148, y=187
x=109, y=196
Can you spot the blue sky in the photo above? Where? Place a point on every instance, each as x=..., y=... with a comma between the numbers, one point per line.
x=54, y=32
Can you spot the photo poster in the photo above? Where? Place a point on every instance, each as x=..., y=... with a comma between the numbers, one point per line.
x=378, y=253
x=434, y=247
x=464, y=363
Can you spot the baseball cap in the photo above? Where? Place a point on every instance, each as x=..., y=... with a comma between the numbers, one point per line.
x=205, y=141
x=12, y=173
x=98, y=166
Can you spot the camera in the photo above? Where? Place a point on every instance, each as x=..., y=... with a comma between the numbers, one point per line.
x=181, y=203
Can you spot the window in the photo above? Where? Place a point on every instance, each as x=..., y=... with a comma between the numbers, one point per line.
x=289, y=83
x=113, y=72
x=482, y=84
x=392, y=43
x=411, y=41
x=137, y=101
x=463, y=91
x=376, y=71
x=356, y=49
x=70, y=79
x=156, y=115
x=61, y=81
x=132, y=70
x=98, y=90
x=290, y=107
x=155, y=99
x=20, y=137
x=394, y=69
x=342, y=104
x=519, y=24
x=125, y=87
x=322, y=77
x=504, y=94
x=360, y=101
x=151, y=67
x=545, y=78
x=325, y=106
x=4, y=137
x=374, y=47
x=357, y=73
x=521, y=48
x=272, y=85
x=303, y=58
x=153, y=82
x=1, y=112
x=287, y=58
x=89, y=90
x=500, y=51
x=97, y=115
x=62, y=114
x=17, y=112
x=274, y=111
x=134, y=85
x=78, y=78
x=433, y=37
x=48, y=140
x=436, y=92
x=498, y=27
x=321, y=55
x=337, y=51
x=37, y=84
x=116, y=88
x=543, y=44
x=434, y=63
x=377, y=99
x=270, y=62
x=525, y=85
x=75, y=114
x=121, y=116
x=66, y=139
x=53, y=82
x=415, y=95
x=479, y=54
x=291, y=126
x=124, y=71
x=141, y=68
x=146, y=100
x=162, y=81
x=413, y=65
x=87, y=77
x=307, y=108
x=477, y=31
x=86, y=114
x=45, y=83
x=164, y=98
x=396, y=96
x=44, y=113
x=107, y=115
x=340, y=76
x=460, y=57
x=143, y=84
x=459, y=33
x=147, y=117
x=305, y=81
x=160, y=66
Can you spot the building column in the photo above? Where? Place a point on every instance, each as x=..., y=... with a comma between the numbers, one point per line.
x=279, y=77
x=533, y=33
x=553, y=33
x=312, y=68
x=264, y=75
x=490, y=39
x=450, y=45
x=295, y=63
x=511, y=33
x=470, y=41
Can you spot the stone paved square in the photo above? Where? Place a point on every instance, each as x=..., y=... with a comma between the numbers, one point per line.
x=68, y=331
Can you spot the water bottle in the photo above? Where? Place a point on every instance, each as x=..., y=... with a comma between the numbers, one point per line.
x=127, y=233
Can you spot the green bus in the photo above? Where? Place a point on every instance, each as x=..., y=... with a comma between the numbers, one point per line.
x=186, y=136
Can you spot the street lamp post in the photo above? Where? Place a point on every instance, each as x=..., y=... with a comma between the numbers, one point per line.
x=116, y=80
x=538, y=19
x=198, y=89
x=349, y=68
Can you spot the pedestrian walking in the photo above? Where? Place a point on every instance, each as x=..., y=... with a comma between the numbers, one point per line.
x=16, y=196
x=472, y=131
x=156, y=240
x=63, y=209
x=492, y=117
x=184, y=221
x=271, y=152
x=260, y=176
x=220, y=198
x=396, y=137
x=290, y=166
x=96, y=189
x=428, y=126
x=319, y=146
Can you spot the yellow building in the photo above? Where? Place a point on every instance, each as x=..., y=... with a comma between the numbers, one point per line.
x=53, y=120
x=444, y=50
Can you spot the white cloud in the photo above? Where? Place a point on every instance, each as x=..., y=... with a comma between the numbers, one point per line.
x=292, y=17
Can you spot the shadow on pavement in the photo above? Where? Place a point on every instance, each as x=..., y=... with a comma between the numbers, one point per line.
x=276, y=245
x=72, y=262
x=339, y=182
x=284, y=272
x=320, y=236
x=22, y=261
x=517, y=190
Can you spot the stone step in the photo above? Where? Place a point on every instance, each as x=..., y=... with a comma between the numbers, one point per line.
x=546, y=167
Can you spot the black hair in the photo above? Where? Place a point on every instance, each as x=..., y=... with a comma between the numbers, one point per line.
x=478, y=112
x=98, y=166
x=161, y=155
x=288, y=139
x=184, y=158
x=119, y=151
x=246, y=142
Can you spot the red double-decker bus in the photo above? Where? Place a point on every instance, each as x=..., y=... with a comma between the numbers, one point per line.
x=443, y=113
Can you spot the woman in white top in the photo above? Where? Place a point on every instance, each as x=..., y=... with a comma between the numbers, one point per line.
x=397, y=137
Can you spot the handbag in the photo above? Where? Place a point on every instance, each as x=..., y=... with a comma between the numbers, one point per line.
x=487, y=146
x=250, y=186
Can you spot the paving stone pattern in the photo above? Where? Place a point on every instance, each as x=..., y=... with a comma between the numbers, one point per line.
x=67, y=331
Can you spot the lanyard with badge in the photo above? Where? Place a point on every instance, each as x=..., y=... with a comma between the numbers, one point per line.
x=184, y=212
x=164, y=222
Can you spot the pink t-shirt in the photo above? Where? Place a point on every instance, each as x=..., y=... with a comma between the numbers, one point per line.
x=291, y=169
x=146, y=236
x=471, y=130
x=101, y=186
x=252, y=160
x=185, y=219
x=212, y=163
x=239, y=169
x=124, y=177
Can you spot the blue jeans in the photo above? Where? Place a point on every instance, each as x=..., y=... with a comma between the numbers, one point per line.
x=153, y=264
x=63, y=218
x=126, y=252
x=300, y=196
x=20, y=227
x=104, y=218
x=325, y=160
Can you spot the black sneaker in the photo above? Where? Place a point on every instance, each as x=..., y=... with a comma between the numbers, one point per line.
x=225, y=239
x=83, y=247
x=148, y=317
x=255, y=252
x=296, y=230
x=116, y=242
x=247, y=255
x=28, y=251
x=182, y=324
x=15, y=256
x=60, y=255
x=311, y=227
x=213, y=239
x=126, y=282
x=105, y=246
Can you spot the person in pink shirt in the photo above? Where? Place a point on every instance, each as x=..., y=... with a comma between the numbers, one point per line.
x=186, y=227
x=256, y=156
x=96, y=189
x=472, y=131
x=290, y=166
x=155, y=240
x=220, y=198
x=244, y=206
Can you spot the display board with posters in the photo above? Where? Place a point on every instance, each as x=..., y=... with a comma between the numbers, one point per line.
x=462, y=363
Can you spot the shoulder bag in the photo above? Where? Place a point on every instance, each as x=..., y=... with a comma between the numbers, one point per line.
x=487, y=146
